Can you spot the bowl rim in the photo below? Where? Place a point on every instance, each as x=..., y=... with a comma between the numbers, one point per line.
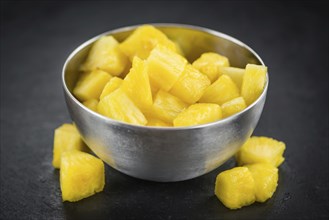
x=144, y=127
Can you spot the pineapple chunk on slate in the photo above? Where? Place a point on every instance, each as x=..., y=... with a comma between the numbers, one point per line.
x=66, y=138
x=110, y=86
x=106, y=55
x=164, y=67
x=119, y=106
x=191, y=85
x=91, y=104
x=261, y=150
x=235, y=187
x=81, y=175
x=142, y=41
x=90, y=85
x=253, y=82
x=200, y=113
x=209, y=64
x=137, y=84
x=157, y=123
x=166, y=106
x=266, y=180
x=236, y=74
x=221, y=91
x=233, y=106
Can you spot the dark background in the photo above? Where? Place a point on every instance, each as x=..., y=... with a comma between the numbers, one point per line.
x=36, y=38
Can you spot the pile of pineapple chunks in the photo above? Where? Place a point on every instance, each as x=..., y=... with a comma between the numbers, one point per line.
x=81, y=174
x=145, y=80
x=257, y=176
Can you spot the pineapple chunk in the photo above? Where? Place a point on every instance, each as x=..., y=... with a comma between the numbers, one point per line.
x=110, y=86
x=200, y=113
x=253, y=82
x=106, y=55
x=166, y=106
x=66, y=138
x=119, y=106
x=157, y=123
x=236, y=74
x=91, y=104
x=81, y=175
x=191, y=85
x=261, y=150
x=233, y=106
x=142, y=41
x=266, y=180
x=209, y=64
x=221, y=91
x=235, y=187
x=164, y=67
x=137, y=85
x=90, y=85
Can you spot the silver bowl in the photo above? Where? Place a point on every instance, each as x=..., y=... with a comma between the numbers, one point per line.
x=159, y=153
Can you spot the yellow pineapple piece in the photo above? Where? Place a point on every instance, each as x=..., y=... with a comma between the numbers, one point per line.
x=110, y=86
x=137, y=84
x=200, y=113
x=209, y=64
x=91, y=104
x=221, y=91
x=117, y=105
x=81, y=175
x=191, y=85
x=164, y=67
x=261, y=150
x=66, y=138
x=235, y=188
x=90, y=85
x=266, y=180
x=253, y=82
x=166, y=106
x=233, y=106
x=157, y=123
x=142, y=41
x=236, y=74
x=106, y=55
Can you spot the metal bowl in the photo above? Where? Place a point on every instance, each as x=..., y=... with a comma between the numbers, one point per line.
x=159, y=153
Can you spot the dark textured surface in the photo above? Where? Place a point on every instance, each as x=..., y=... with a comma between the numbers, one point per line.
x=35, y=41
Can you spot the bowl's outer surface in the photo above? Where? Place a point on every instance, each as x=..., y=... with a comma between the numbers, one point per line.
x=166, y=154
